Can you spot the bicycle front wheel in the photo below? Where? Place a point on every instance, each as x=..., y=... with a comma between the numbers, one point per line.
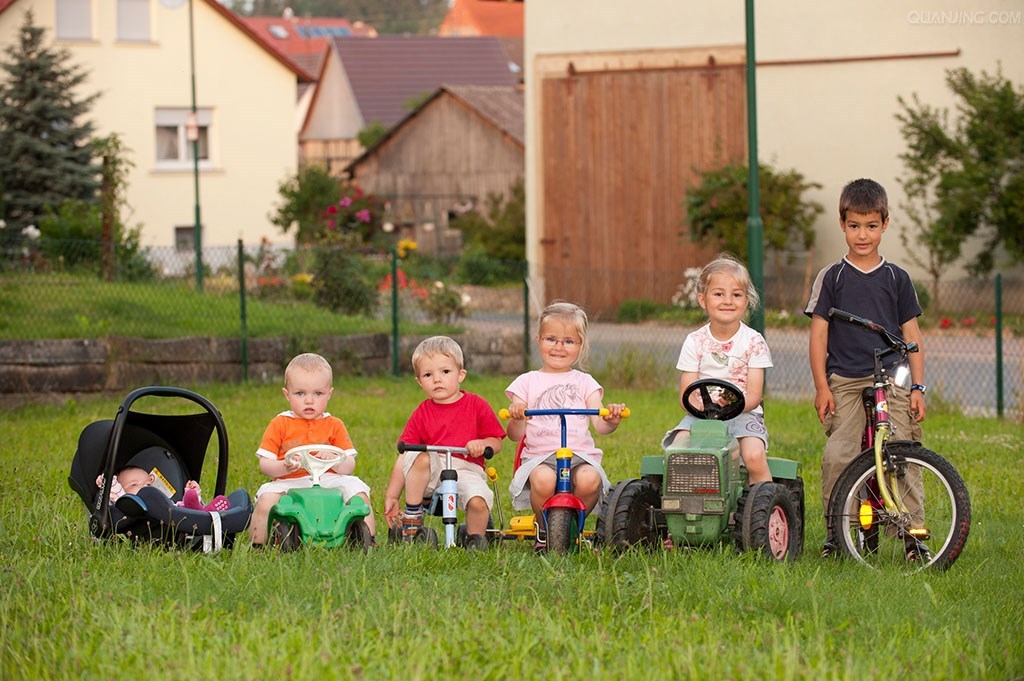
x=933, y=530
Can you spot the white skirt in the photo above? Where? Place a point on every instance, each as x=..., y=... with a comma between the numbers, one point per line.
x=519, y=488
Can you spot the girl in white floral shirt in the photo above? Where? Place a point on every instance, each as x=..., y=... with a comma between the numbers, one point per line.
x=728, y=349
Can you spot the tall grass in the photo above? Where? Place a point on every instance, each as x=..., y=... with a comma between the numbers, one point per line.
x=71, y=608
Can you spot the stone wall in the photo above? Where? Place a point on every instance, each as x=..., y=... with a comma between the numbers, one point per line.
x=119, y=364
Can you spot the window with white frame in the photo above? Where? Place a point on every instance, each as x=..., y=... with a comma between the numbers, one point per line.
x=173, y=146
x=133, y=20
x=74, y=20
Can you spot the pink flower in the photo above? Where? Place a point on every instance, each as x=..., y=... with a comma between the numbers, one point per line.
x=332, y=210
x=363, y=215
x=331, y=224
x=345, y=202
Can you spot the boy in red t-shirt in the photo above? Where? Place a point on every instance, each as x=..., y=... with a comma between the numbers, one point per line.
x=451, y=417
x=307, y=387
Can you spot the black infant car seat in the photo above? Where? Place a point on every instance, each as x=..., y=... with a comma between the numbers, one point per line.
x=172, y=447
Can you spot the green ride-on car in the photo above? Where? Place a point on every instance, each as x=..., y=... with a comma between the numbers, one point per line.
x=697, y=494
x=317, y=515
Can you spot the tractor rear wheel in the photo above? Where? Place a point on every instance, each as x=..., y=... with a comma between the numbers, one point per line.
x=628, y=517
x=768, y=521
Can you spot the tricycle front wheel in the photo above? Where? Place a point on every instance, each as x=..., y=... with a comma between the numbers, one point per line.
x=563, y=529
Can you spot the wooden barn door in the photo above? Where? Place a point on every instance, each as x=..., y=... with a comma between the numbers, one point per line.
x=619, y=149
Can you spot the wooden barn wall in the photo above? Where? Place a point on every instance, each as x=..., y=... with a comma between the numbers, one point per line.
x=620, y=149
x=443, y=157
x=333, y=154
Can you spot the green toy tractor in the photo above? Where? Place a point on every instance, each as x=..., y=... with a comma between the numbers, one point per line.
x=697, y=494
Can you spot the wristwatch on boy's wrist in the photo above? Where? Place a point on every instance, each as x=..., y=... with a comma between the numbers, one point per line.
x=918, y=386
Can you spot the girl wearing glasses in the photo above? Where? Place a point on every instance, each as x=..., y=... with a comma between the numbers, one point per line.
x=558, y=384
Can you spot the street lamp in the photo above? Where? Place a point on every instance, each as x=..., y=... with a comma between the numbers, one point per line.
x=755, y=225
x=192, y=132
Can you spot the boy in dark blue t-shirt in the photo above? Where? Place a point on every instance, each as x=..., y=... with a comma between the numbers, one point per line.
x=842, y=355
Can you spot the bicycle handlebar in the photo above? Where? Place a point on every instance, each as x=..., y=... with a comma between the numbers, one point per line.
x=892, y=340
x=404, y=447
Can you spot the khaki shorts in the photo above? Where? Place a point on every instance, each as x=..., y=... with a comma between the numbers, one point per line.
x=472, y=480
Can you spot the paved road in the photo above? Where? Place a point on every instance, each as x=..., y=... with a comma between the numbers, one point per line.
x=960, y=369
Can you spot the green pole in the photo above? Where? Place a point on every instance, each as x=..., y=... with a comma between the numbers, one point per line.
x=755, y=256
x=244, y=320
x=197, y=229
x=526, y=316
x=999, y=344
x=394, y=312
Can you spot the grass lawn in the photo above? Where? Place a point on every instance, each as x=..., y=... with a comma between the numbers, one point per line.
x=70, y=608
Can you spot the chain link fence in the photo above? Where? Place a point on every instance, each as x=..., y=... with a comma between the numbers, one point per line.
x=66, y=291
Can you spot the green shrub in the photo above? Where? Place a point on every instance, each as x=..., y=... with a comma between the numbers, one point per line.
x=342, y=281
x=476, y=267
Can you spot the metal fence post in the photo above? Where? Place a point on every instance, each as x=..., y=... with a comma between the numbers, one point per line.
x=241, y=305
x=394, y=312
x=999, y=344
x=526, y=317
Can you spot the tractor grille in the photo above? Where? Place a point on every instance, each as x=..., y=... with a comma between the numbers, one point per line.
x=692, y=474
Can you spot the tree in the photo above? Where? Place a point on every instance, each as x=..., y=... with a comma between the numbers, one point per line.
x=967, y=176
x=717, y=210
x=46, y=156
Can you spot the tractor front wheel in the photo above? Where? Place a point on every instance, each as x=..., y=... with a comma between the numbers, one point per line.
x=767, y=520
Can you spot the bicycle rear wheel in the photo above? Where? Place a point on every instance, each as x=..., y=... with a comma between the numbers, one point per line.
x=933, y=531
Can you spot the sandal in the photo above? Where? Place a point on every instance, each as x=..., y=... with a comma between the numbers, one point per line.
x=918, y=553
x=829, y=550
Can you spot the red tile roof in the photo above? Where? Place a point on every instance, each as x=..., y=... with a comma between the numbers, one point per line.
x=386, y=72
x=484, y=17
x=297, y=36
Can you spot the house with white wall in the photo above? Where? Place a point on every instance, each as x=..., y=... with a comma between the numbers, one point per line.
x=828, y=77
x=138, y=55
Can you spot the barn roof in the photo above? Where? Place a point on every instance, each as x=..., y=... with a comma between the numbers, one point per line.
x=499, y=105
x=386, y=72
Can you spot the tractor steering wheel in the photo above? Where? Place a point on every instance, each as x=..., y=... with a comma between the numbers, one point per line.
x=720, y=399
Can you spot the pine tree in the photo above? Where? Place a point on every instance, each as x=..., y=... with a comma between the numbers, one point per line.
x=46, y=155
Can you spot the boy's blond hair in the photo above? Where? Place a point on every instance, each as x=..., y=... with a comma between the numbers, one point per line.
x=437, y=345
x=308, y=361
x=575, y=316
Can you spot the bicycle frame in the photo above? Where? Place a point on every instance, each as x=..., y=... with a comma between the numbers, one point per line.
x=878, y=425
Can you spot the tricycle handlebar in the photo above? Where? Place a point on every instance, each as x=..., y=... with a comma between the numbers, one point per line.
x=404, y=447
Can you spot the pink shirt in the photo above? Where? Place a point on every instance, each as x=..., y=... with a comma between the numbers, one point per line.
x=562, y=390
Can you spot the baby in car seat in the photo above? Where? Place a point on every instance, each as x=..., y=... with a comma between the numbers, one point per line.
x=130, y=479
